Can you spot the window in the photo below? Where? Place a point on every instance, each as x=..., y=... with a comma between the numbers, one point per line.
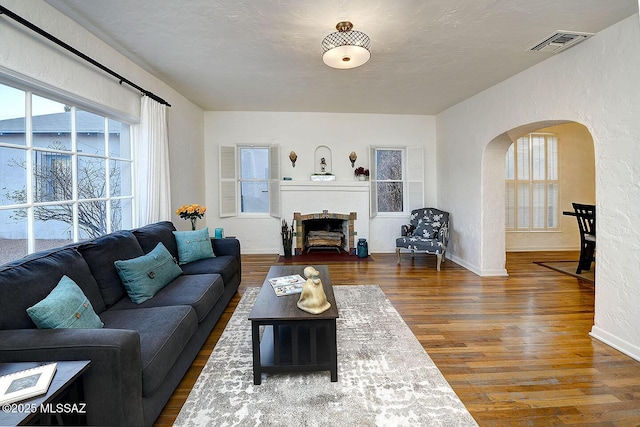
x=249, y=180
x=254, y=179
x=390, y=180
x=65, y=173
x=397, y=180
x=531, y=183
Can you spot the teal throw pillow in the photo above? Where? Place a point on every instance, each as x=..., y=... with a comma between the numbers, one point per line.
x=66, y=306
x=193, y=245
x=144, y=276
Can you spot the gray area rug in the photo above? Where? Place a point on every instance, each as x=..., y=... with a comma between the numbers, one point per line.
x=385, y=377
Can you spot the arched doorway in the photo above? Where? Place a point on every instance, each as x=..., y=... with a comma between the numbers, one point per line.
x=575, y=155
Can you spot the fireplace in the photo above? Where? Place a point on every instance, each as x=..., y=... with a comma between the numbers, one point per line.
x=324, y=230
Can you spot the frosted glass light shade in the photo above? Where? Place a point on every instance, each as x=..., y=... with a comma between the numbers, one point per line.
x=345, y=48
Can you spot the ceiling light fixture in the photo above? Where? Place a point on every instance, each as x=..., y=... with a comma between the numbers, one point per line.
x=346, y=48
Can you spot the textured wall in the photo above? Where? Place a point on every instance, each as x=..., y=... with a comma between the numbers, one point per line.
x=595, y=84
x=303, y=132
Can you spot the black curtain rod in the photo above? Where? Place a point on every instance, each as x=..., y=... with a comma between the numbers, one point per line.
x=4, y=10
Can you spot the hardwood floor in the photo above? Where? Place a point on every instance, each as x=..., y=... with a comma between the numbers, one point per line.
x=515, y=349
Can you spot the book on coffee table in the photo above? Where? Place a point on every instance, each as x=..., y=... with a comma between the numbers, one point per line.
x=287, y=285
x=25, y=384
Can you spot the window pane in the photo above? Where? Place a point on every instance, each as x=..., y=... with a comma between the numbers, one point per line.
x=53, y=226
x=538, y=157
x=91, y=178
x=523, y=157
x=254, y=196
x=552, y=209
x=254, y=163
x=51, y=124
x=523, y=205
x=90, y=133
x=13, y=176
x=121, y=214
x=92, y=219
x=389, y=165
x=510, y=205
x=119, y=139
x=52, y=177
x=509, y=165
x=538, y=205
x=552, y=153
x=119, y=178
x=12, y=120
x=390, y=197
x=13, y=234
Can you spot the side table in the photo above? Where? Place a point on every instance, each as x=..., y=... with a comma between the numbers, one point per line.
x=67, y=382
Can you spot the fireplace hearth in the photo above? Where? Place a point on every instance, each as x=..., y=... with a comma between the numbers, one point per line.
x=324, y=230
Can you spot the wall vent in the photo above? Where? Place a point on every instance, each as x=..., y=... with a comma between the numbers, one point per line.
x=560, y=40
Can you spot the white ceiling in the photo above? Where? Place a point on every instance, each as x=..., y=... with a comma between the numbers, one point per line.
x=265, y=55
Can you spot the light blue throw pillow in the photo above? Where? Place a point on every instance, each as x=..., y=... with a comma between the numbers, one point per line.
x=66, y=306
x=193, y=245
x=144, y=276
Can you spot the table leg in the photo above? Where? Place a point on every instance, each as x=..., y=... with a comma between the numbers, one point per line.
x=255, y=343
x=333, y=351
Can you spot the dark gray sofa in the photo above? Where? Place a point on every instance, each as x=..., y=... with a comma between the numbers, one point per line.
x=144, y=350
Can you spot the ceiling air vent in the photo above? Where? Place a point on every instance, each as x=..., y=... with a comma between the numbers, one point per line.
x=560, y=40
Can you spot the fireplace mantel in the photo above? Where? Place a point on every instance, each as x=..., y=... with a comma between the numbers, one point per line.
x=332, y=196
x=324, y=186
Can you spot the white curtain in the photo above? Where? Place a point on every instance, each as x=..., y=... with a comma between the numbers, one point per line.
x=153, y=193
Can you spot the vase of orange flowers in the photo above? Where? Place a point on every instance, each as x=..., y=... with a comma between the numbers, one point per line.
x=191, y=212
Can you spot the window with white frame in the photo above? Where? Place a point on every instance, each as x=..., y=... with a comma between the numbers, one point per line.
x=531, y=183
x=65, y=173
x=249, y=180
x=397, y=180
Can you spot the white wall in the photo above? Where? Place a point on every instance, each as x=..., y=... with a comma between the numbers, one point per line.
x=302, y=133
x=577, y=183
x=28, y=57
x=596, y=84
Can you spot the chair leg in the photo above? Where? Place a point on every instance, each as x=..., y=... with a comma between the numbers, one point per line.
x=398, y=253
x=439, y=261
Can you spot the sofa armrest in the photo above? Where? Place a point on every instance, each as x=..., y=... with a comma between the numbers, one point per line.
x=113, y=382
x=228, y=246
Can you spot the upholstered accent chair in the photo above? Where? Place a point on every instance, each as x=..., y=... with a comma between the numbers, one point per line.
x=427, y=231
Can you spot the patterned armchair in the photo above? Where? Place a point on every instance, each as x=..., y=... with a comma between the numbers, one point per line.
x=428, y=231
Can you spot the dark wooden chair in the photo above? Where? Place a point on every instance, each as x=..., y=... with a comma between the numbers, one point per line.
x=586, y=215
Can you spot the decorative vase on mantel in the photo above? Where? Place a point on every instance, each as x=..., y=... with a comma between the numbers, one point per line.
x=193, y=222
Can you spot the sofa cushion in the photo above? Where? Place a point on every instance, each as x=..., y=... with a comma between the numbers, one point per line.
x=164, y=333
x=200, y=291
x=226, y=266
x=28, y=280
x=193, y=245
x=65, y=307
x=101, y=253
x=144, y=276
x=149, y=236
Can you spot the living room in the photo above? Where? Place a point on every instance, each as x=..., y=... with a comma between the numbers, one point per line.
x=593, y=84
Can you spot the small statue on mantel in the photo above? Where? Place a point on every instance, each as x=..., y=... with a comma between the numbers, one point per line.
x=313, y=299
x=323, y=165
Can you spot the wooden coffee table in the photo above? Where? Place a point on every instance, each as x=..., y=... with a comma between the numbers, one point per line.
x=293, y=340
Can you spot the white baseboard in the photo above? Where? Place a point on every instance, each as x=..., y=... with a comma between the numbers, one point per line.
x=623, y=346
x=477, y=270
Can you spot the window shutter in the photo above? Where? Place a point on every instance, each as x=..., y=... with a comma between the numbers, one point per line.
x=415, y=178
x=274, y=181
x=373, y=183
x=228, y=182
